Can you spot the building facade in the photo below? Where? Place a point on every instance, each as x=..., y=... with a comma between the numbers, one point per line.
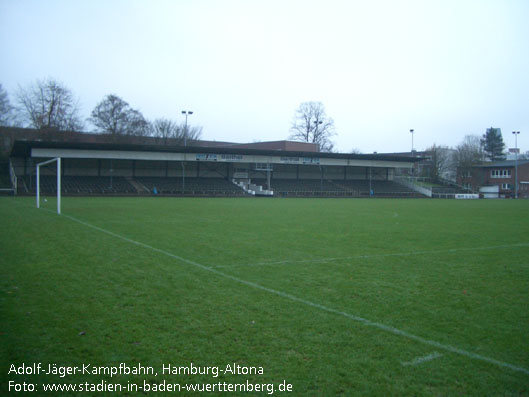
x=501, y=174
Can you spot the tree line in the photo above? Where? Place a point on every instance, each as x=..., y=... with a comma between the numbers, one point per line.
x=311, y=124
x=473, y=150
x=49, y=105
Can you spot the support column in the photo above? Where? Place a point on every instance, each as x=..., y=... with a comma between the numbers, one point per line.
x=59, y=186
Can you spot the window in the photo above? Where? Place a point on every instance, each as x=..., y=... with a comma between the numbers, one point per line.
x=500, y=174
x=466, y=174
x=505, y=186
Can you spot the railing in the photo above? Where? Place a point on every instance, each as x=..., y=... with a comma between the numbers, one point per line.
x=432, y=191
x=343, y=193
x=408, y=182
x=455, y=185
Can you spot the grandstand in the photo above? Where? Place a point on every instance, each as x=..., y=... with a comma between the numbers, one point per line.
x=81, y=185
x=203, y=186
x=338, y=188
x=117, y=169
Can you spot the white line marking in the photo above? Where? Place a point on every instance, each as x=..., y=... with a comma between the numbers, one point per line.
x=325, y=260
x=420, y=360
x=327, y=309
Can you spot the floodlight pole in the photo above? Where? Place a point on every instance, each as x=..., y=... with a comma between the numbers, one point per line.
x=183, y=178
x=38, y=186
x=370, y=181
x=186, y=112
x=516, y=133
x=412, y=131
x=316, y=124
x=59, y=186
x=268, y=172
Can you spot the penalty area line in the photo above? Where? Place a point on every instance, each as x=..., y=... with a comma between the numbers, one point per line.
x=364, y=321
x=369, y=256
x=420, y=360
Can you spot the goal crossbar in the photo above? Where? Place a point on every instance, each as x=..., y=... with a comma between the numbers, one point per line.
x=58, y=160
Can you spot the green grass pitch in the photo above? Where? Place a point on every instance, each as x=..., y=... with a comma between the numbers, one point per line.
x=335, y=297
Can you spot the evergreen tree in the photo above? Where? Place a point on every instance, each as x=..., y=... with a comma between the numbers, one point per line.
x=493, y=145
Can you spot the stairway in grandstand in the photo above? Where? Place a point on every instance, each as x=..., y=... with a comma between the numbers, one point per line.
x=140, y=187
x=253, y=188
x=439, y=189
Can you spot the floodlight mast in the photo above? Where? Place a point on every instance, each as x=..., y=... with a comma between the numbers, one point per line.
x=186, y=112
x=58, y=159
x=516, y=133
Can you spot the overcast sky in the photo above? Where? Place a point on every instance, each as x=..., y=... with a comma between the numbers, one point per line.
x=444, y=68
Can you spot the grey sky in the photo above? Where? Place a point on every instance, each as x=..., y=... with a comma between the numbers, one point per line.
x=445, y=68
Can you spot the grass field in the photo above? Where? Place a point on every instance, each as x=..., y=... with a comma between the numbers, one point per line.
x=335, y=297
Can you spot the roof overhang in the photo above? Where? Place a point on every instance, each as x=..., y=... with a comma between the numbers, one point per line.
x=43, y=149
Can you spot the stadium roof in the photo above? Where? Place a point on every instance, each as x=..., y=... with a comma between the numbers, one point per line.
x=22, y=148
x=505, y=163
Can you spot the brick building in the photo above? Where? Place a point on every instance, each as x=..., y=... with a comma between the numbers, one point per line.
x=499, y=173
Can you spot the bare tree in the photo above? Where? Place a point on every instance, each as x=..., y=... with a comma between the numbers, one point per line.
x=49, y=105
x=170, y=131
x=193, y=133
x=468, y=154
x=138, y=125
x=311, y=124
x=439, y=165
x=165, y=129
x=6, y=110
x=114, y=116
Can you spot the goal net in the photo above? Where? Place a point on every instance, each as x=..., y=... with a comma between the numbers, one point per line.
x=58, y=160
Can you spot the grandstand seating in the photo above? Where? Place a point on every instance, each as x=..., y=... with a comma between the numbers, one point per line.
x=339, y=188
x=380, y=188
x=303, y=187
x=207, y=186
x=81, y=185
x=193, y=186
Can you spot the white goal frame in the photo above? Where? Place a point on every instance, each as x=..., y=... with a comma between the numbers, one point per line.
x=58, y=160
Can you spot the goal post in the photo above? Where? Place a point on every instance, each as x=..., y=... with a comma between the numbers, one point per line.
x=58, y=160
